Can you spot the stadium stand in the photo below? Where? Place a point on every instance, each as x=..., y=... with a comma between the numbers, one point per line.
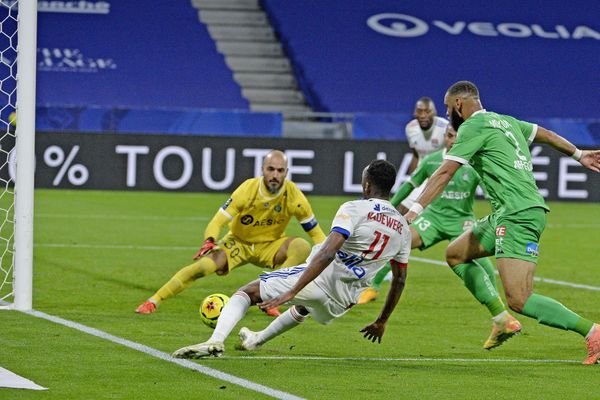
x=380, y=56
x=206, y=66
x=244, y=35
x=134, y=56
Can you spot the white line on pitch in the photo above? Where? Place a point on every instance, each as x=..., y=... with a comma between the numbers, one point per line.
x=205, y=218
x=402, y=359
x=115, y=246
x=124, y=217
x=278, y=394
x=535, y=278
x=186, y=248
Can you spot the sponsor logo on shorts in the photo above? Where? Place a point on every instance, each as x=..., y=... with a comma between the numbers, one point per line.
x=532, y=249
x=499, y=249
x=500, y=231
x=247, y=219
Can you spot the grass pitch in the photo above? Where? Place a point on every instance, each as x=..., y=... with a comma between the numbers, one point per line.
x=99, y=254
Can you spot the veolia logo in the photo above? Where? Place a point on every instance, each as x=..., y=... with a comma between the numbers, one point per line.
x=407, y=26
x=400, y=25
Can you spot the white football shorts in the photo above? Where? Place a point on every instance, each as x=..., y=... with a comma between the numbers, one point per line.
x=322, y=308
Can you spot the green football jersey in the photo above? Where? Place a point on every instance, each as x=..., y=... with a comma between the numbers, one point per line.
x=497, y=146
x=457, y=198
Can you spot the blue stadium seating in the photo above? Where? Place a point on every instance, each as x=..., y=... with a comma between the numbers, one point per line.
x=128, y=53
x=529, y=59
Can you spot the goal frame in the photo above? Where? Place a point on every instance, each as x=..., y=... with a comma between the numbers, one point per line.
x=25, y=151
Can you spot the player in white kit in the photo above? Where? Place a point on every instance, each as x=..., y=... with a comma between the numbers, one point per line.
x=365, y=235
x=425, y=134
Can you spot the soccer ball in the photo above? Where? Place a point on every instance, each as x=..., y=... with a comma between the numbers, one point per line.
x=211, y=307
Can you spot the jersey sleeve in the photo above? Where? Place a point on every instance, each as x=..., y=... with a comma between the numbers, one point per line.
x=404, y=250
x=236, y=203
x=468, y=141
x=415, y=180
x=528, y=130
x=420, y=174
x=409, y=139
x=303, y=211
x=345, y=220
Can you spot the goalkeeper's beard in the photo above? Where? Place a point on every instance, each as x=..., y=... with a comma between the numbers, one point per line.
x=273, y=186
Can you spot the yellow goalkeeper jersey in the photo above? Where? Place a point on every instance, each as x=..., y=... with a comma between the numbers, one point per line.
x=258, y=216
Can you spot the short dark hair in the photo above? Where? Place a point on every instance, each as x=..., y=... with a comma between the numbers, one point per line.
x=382, y=174
x=426, y=99
x=464, y=88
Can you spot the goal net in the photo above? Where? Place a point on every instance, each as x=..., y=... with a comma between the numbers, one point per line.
x=17, y=49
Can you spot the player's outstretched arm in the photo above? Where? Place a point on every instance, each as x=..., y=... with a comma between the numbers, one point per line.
x=434, y=187
x=318, y=263
x=588, y=158
x=211, y=234
x=375, y=330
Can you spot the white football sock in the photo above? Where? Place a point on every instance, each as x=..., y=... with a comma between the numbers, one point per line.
x=498, y=319
x=286, y=321
x=232, y=313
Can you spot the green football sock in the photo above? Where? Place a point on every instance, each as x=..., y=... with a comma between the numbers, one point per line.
x=478, y=282
x=378, y=280
x=552, y=313
x=489, y=269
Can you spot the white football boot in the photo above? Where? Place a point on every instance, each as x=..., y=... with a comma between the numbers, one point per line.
x=249, y=339
x=206, y=349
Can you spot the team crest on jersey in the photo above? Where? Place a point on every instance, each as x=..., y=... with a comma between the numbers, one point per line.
x=434, y=141
x=278, y=208
x=466, y=176
x=266, y=204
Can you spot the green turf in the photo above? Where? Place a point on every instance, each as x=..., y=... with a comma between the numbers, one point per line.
x=99, y=254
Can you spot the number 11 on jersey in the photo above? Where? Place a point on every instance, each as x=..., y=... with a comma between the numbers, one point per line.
x=379, y=237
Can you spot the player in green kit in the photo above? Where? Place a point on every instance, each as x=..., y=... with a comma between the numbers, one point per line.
x=497, y=147
x=446, y=218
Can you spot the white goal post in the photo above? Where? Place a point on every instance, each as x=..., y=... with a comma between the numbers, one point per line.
x=17, y=261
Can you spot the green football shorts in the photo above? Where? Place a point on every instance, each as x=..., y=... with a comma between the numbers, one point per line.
x=512, y=236
x=433, y=228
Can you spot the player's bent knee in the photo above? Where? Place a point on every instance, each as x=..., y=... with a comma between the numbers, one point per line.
x=453, y=258
x=252, y=289
x=203, y=267
x=297, y=252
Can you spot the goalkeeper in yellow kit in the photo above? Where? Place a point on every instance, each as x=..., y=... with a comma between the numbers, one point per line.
x=257, y=212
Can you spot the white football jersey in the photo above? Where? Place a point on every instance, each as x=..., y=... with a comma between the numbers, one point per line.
x=425, y=142
x=375, y=233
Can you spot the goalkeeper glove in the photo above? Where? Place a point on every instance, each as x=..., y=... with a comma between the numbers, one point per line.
x=208, y=245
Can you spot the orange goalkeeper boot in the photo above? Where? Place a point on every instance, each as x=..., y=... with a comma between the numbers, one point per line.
x=273, y=312
x=593, y=346
x=146, y=307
